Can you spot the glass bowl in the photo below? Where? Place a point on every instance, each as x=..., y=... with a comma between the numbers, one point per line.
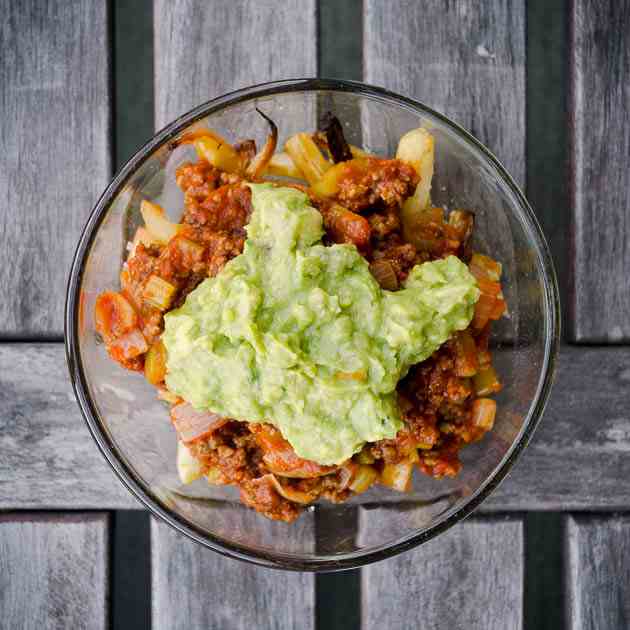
x=132, y=427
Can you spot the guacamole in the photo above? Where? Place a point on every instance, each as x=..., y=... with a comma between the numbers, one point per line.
x=301, y=335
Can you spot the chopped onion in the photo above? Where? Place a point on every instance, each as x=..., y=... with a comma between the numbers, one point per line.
x=129, y=346
x=384, y=273
x=155, y=363
x=188, y=467
x=291, y=494
x=466, y=363
x=365, y=476
x=159, y=292
x=484, y=411
x=192, y=425
x=397, y=476
x=486, y=382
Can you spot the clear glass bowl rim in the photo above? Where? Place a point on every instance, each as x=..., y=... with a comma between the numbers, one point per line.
x=136, y=485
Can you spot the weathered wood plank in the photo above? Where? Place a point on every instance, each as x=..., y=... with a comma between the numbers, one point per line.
x=600, y=162
x=576, y=460
x=56, y=151
x=47, y=456
x=465, y=59
x=54, y=571
x=581, y=451
x=598, y=574
x=195, y=588
x=233, y=44
x=470, y=577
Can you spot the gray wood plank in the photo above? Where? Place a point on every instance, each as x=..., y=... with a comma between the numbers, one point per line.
x=600, y=196
x=576, y=459
x=56, y=151
x=54, y=571
x=579, y=457
x=597, y=573
x=47, y=456
x=465, y=59
x=234, y=44
x=471, y=578
x=195, y=588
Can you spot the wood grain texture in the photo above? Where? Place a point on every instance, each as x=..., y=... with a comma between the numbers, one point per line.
x=466, y=59
x=56, y=151
x=204, y=49
x=47, y=456
x=579, y=457
x=195, y=588
x=471, y=578
x=54, y=571
x=598, y=573
x=600, y=147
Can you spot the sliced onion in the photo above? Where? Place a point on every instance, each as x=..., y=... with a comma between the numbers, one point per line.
x=192, y=425
x=291, y=494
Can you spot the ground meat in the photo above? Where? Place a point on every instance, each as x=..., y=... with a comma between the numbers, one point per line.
x=225, y=209
x=197, y=180
x=378, y=181
x=435, y=403
x=261, y=495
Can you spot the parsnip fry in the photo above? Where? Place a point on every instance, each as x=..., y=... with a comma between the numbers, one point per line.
x=307, y=157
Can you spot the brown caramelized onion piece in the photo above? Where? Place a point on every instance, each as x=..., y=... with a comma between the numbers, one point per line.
x=337, y=146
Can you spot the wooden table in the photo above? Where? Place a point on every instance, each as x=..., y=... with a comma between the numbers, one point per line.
x=541, y=83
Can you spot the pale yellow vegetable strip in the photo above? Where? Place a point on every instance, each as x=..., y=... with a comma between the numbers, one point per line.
x=282, y=165
x=218, y=152
x=417, y=147
x=307, y=156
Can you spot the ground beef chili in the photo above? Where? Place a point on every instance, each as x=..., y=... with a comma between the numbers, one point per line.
x=436, y=398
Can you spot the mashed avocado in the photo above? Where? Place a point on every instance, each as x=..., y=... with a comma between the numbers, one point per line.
x=302, y=336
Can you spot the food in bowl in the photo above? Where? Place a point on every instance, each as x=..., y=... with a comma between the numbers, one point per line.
x=314, y=323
